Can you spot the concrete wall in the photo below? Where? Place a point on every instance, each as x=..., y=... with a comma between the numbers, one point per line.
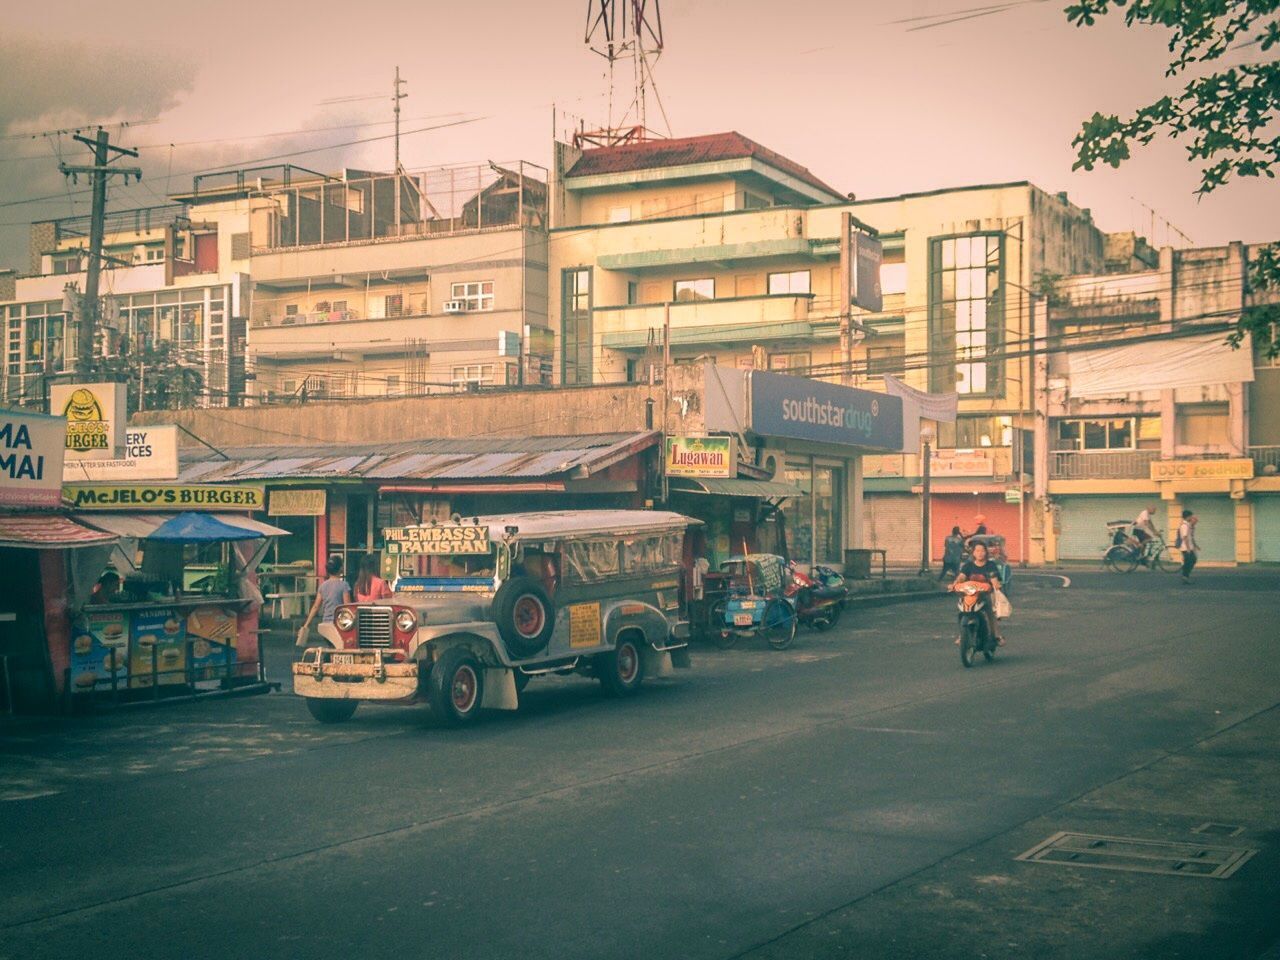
x=510, y=413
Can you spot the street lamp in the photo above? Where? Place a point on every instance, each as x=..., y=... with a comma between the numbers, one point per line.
x=926, y=438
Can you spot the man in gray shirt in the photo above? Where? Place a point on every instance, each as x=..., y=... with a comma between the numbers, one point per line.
x=331, y=594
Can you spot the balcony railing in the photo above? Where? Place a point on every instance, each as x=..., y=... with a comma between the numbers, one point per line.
x=1266, y=460
x=1101, y=464
x=304, y=319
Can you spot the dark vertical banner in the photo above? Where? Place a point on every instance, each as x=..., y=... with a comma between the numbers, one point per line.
x=864, y=277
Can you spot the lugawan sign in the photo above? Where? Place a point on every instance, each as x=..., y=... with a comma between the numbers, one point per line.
x=1240, y=469
x=701, y=457
x=143, y=496
x=31, y=455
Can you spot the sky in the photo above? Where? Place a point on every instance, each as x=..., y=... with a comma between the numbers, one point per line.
x=848, y=89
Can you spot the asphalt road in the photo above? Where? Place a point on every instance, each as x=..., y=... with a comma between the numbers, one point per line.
x=734, y=810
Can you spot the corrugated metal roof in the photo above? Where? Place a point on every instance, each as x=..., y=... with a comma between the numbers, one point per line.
x=48, y=531
x=682, y=151
x=437, y=459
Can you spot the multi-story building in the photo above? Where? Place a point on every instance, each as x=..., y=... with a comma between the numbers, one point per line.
x=737, y=251
x=162, y=280
x=367, y=284
x=1146, y=405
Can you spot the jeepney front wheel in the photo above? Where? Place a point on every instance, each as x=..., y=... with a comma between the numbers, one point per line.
x=332, y=711
x=455, y=687
x=621, y=670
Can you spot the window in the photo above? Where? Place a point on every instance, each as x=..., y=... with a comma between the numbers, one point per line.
x=1116, y=434
x=882, y=360
x=619, y=214
x=393, y=305
x=795, y=282
x=1202, y=424
x=970, y=433
x=586, y=561
x=338, y=306
x=67, y=264
x=474, y=296
x=633, y=293
x=393, y=384
x=964, y=313
x=687, y=291
x=893, y=278
x=473, y=374
x=575, y=315
x=797, y=363
x=751, y=201
x=291, y=310
x=155, y=254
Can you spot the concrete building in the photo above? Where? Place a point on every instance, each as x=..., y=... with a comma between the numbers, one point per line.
x=163, y=281
x=367, y=284
x=1165, y=414
x=738, y=252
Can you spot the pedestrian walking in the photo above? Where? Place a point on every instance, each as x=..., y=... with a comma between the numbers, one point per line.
x=1187, y=543
x=952, y=554
x=331, y=594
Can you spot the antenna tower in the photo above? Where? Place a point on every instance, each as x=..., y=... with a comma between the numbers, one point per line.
x=621, y=30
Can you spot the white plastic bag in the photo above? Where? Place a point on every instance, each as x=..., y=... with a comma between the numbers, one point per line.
x=1004, y=609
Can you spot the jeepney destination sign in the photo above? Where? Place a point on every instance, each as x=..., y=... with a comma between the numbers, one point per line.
x=440, y=540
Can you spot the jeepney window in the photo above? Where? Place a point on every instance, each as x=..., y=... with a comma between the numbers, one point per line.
x=475, y=566
x=648, y=554
x=591, y=560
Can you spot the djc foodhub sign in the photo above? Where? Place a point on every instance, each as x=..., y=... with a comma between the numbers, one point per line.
x=797, y=408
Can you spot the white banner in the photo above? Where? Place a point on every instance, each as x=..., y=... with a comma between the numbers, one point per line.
x=917, y=405
x=1158, y=365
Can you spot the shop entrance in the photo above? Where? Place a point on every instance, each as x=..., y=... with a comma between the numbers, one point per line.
x=22, y=636
x=815, y=522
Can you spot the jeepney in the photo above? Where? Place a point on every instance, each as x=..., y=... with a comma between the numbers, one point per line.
x=480, y=607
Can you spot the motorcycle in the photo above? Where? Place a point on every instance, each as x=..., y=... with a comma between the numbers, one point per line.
x=819, y=597
x=975, y=633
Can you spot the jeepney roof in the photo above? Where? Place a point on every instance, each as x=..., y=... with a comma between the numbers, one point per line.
x=551, y=524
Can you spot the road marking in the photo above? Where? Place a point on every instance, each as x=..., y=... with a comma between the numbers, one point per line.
x=915, y=733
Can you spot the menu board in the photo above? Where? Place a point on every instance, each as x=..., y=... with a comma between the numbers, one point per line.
x=164, y=630
x=212, y=632
x=99, y=646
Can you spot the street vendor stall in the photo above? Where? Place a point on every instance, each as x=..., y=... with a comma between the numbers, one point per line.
x=150, y=623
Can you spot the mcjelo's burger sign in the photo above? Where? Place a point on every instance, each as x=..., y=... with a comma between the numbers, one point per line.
x=143, y=496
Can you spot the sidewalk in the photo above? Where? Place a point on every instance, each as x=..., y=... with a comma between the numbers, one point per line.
x=984, y=902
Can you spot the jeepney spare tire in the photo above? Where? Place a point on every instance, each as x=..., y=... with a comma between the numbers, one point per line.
x=524, y=615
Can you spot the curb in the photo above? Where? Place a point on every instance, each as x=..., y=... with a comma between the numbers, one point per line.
x=249, y=690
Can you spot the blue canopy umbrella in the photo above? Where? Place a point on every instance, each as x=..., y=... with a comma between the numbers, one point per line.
x=200, y=528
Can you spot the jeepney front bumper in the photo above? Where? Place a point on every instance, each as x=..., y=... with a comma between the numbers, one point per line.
x=331, y=674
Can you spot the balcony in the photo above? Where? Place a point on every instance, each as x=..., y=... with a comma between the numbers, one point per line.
x=306, y=319
x=1101, y=464
x=1266, y=461
x=728, y=320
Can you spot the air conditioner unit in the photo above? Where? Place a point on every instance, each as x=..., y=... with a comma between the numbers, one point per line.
x=455, y=306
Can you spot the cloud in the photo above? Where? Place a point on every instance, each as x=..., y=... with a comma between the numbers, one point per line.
x=62, y=84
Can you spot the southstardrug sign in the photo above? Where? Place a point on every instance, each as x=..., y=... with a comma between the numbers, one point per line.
x=797, y=408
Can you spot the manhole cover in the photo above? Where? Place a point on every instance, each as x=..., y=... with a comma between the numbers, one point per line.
x=1218, y=829
x=1139, y=856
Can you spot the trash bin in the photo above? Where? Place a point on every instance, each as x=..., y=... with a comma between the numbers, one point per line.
x=857, y=564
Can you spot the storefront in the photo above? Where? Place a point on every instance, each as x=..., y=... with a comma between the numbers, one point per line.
x=810, y=435
x=337, y=500
x=173, y=605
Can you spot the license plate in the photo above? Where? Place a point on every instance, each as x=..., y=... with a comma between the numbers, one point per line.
x=342, y=658
x=742, y=619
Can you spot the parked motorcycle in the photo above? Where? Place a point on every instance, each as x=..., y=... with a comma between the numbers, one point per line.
x=973, y=599
x=819, y=596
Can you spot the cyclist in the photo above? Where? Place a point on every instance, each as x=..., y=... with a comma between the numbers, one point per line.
x=1144, y=531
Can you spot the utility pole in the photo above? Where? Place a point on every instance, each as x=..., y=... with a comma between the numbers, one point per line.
x=98, y=173
x=846, y=289
x=396, y=97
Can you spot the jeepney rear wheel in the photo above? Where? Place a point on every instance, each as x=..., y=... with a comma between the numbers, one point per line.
x=455, y=687
x=331, y=711
x=621, y=670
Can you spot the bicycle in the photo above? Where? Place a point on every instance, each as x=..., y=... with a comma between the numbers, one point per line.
x=1154, y=554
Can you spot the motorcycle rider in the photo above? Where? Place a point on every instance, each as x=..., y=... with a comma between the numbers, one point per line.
x=981, y=569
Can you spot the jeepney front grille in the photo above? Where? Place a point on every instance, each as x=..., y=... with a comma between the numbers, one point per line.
x=373, y=626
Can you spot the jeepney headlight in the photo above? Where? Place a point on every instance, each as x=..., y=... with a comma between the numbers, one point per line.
x=406, y=621
x=344, y=619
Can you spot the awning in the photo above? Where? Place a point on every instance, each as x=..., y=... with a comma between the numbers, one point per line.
x=735, y=487
x=48, y=531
